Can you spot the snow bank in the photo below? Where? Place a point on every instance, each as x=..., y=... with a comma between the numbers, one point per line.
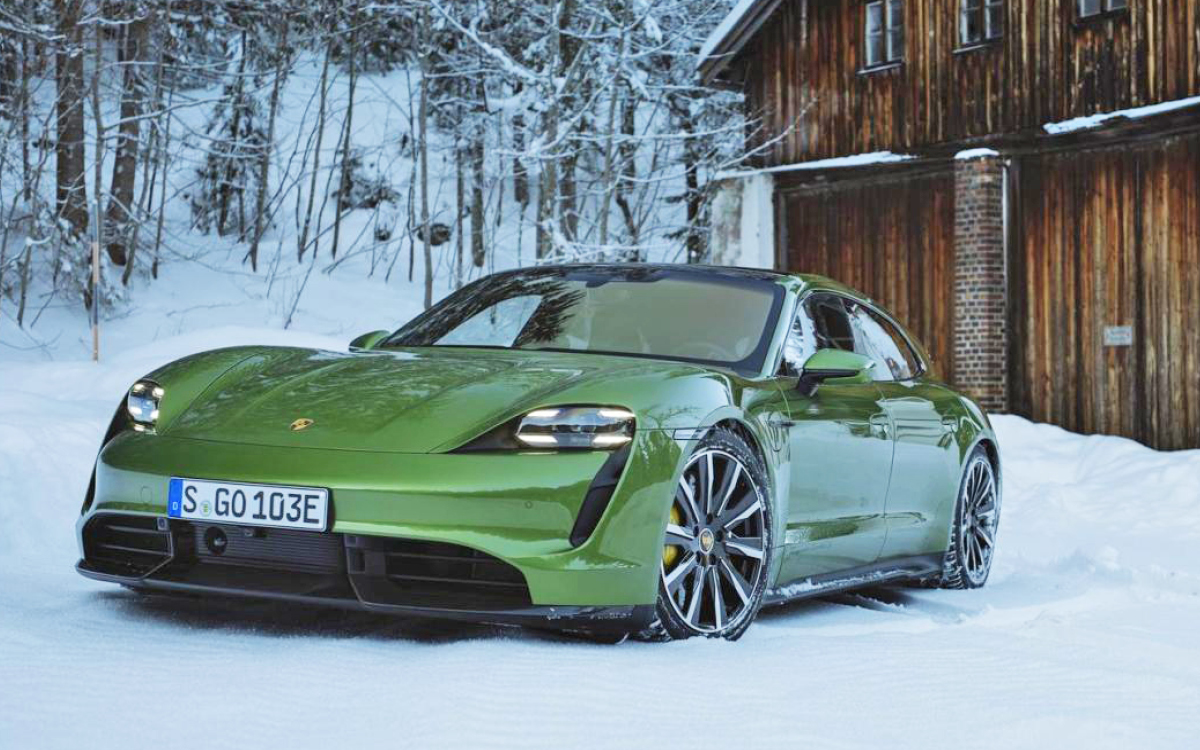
x=1084, y=636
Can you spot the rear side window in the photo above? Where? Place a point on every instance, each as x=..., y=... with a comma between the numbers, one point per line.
x=876, y=337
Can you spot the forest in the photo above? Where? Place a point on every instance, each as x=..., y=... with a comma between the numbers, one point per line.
x=424, y=140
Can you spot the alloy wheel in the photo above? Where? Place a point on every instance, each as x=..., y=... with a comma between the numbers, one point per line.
x=714, y=548
x=979, y=518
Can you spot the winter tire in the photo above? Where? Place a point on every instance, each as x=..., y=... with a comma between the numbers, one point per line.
x=976, y=518
x=716, y=545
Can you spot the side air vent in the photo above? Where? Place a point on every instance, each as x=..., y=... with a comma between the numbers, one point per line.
x=599, y=493
x=125, y=544
x=434, y=574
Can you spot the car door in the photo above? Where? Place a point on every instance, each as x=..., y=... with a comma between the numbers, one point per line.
x=924, y=462
x=840, y=455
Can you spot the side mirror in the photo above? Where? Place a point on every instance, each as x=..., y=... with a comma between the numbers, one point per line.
x=367, y=341
x=834, y=366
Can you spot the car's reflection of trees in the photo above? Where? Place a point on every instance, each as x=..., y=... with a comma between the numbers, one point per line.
x=560, y=293
x=558, y=298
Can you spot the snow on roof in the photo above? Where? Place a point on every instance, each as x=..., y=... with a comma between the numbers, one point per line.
x=976, y=153
x=1093, y=121
x=838, y=162
x=727, y=25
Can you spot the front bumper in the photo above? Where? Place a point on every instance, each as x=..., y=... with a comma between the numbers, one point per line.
x=334, y=570
x=516, y=509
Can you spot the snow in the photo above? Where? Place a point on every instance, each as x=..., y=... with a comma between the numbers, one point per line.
x=976, y=153
x=837, y=162
x=727, y=24
x=1084, y=636
x=1093, y=121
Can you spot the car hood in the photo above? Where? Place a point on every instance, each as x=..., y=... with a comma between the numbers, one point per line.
x=410, y=401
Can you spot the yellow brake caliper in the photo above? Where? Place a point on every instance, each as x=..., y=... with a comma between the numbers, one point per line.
x=671, y=551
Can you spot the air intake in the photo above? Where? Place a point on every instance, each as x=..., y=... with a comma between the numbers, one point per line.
x=125, y=544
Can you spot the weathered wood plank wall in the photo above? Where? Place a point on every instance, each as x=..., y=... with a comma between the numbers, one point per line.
x=1109, y=237
x=891, y=238
x=802, y=70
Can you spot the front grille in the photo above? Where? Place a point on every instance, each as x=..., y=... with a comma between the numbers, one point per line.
x=278, y=549
x=125, y=544
x=437, y=574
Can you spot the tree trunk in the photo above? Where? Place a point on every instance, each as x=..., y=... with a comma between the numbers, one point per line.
x=628, y=151
x=27, y=50
x=423, y=132
x=478, y=134
x=131, y=54
x=9, y=76
x=520, y=174
x=323, y=92
x=163, y=150
x=460, y=198
x=693, y=199
x=344, y=181
x=264, y=160
x=152, y=161
x=610, y=154
x=545, y=207
x=71, y=184
x=225, y=190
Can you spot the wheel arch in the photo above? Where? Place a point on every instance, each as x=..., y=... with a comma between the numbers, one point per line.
x=743, y=430
x=779, y=503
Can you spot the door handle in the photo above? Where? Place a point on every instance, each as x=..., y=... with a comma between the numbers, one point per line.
x=880, y=426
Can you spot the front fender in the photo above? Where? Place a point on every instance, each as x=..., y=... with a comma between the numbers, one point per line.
x=185, y=379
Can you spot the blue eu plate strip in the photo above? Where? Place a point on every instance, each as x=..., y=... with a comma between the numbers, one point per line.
x=174, y=496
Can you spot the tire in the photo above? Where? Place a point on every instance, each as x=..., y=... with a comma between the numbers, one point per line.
x=717, y=544
x=968, y=560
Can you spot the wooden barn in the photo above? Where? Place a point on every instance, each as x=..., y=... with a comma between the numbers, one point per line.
x=1019, y=180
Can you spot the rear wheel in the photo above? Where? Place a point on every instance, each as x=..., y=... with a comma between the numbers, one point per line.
x=976, y=518
x=716, y=547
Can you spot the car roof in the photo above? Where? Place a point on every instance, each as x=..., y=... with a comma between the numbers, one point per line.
x=798, y=281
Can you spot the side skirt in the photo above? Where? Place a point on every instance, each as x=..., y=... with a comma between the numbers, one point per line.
x=914, y=568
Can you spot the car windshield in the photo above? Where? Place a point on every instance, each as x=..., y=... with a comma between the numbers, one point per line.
x=712, y=318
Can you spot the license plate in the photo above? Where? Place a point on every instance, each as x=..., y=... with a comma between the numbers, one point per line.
x=249, y=504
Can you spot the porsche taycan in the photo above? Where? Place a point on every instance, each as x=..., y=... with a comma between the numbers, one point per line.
x=648, y=450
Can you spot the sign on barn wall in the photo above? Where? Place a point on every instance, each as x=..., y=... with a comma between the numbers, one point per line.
x=1118, y=335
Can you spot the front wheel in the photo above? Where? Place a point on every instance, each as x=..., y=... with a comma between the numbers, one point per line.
x=716, y=548
x=976, y=518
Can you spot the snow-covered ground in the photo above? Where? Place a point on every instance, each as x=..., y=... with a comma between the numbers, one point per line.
x=1086, y=635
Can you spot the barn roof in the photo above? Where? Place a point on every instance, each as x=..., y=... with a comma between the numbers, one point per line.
x=731, y=35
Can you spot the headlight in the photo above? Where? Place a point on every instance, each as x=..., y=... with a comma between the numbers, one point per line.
x=587, y=427
x=142, y=404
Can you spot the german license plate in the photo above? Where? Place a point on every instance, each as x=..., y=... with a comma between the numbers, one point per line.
x=249, y=504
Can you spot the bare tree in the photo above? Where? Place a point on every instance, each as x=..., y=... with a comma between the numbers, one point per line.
x=71, y=183
x=132, y=55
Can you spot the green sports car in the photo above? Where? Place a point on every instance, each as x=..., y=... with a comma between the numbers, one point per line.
x=654, y=450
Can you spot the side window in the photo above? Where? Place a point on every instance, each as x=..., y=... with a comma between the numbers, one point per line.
x=980, y=21
x=833, y=329
x=1088, y=8
x=802, y=339
x=884, y=32
x=877, y=338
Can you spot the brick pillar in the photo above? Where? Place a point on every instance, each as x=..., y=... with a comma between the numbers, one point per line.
x=980, y=343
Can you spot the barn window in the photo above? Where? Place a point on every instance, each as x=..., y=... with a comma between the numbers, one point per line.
x=884, y=32
x=981, y=21
x=1088, y=8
